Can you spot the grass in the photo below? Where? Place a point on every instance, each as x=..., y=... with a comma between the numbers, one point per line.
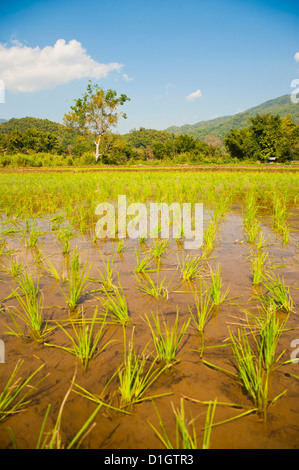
x=216, y=287
x=269, y=327
x=189, y=267
x=64, y=237
x=52, y=439
x=185, y=431
x=250, y=370
x=73, y=197
x=84, y=341
x=257, y=266
x=203, y=306
x=159, y=248
x=50, y=268
x=157, y=289
x=31, y=312
x=136, y=376
x=107, y=277
x=167, y=342
x=209, y=239
x=203, y=310
x=77, y=281
x=115, y=305
x=15, y=268
x=251, y=373
x=277, y=291
x=142, y=263
x=13, y=398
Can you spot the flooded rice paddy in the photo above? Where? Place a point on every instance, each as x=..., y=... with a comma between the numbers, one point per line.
x=63, y=291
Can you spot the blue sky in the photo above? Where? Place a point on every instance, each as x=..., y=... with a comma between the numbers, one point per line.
x=180, y=61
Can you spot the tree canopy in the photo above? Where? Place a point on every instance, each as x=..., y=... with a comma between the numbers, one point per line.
x=95, y=114
x=267, y=136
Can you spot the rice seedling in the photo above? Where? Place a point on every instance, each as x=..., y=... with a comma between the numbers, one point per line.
x=250, y=211
x=77, y=281
x=135, y=378
x=251, y=373
x=157, y=289
x=115, y=305
x=31, y=315
x=50, y=268
x=204, y=306
x=206, y=441
x=257, y=266
x=280, y=213
x=52, y=438
x=142, y=239
x=13, y=398
x=64, y=236
x=159, y=247
x=27, y=285
x=102, y=397
x=270, y=327
x=167, y=342
x=56, y=222
x=185, y=431
x=209, y=239
x=84, y=341
x=252, y=231
x=15, y=268
x=280, y=293
x=250, y=368
x=34, y=235
x=120, y=246
x=261, y=242
x=142, y=263
x=216, y=287
x=107, y=276
x=189, y=267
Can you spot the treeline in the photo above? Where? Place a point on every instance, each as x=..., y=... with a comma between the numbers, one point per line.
x=52, y=144
x=268, y=137
x=149, y=145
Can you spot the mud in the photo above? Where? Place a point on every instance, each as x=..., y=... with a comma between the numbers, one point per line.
x=190, y=378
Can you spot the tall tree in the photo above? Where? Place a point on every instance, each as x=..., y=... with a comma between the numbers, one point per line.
x=95, y=114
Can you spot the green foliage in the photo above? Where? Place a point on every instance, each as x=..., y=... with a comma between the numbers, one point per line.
x=95, y=114
x=221, y=126
x=267, y=136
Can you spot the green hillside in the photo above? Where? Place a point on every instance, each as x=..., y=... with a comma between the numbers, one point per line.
x=42, y=125
x=219, y=127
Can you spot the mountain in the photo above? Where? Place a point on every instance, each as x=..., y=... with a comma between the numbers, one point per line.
x=43, y=125
x=220, y=126
x=2, y=120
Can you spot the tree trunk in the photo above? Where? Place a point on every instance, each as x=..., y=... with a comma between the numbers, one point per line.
x=97, y=149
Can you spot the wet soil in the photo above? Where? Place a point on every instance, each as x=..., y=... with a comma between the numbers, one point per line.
x=189, y=378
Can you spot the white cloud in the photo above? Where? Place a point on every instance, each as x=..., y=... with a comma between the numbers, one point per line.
x=29, y=69
x=296, y=56
x=194, y=96
x=127, y=78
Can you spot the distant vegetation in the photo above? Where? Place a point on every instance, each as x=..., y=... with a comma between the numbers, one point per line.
x=219, y=127
x=268, y=130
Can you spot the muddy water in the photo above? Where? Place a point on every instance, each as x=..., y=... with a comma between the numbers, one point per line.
x=190, y=377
